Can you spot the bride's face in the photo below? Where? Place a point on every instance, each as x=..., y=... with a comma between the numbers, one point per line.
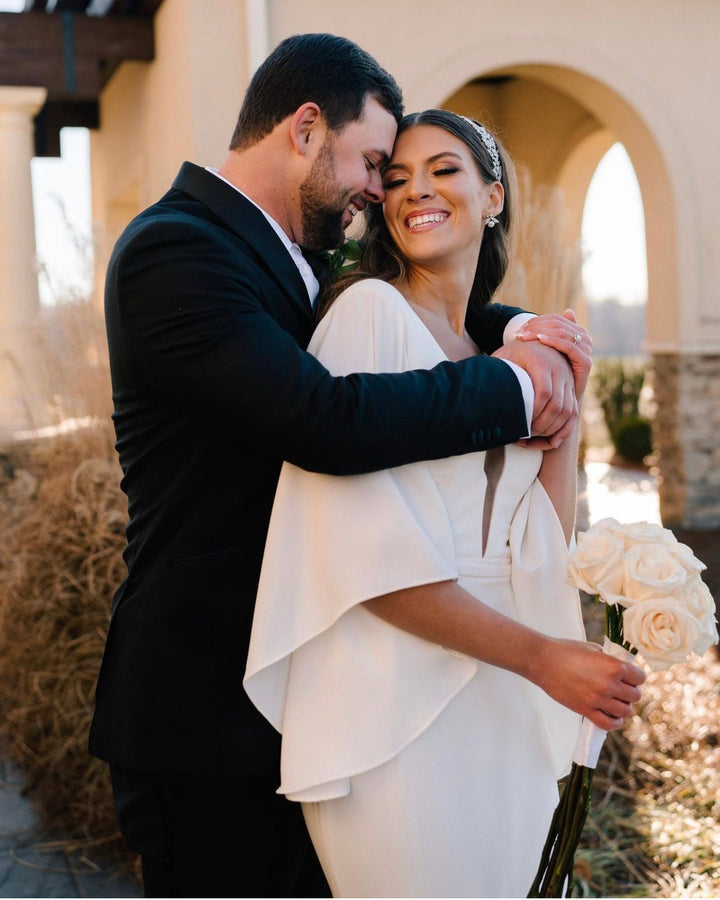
x=435, y=200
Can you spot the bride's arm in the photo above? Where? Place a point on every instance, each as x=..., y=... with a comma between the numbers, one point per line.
x=558, y=473
x=574, y=673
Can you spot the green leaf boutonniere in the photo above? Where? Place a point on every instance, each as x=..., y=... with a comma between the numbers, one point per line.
x=344, y=259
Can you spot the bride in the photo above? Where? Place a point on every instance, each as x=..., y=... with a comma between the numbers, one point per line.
x=414, y=638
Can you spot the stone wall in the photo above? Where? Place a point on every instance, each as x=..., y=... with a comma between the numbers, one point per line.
x=686, y=427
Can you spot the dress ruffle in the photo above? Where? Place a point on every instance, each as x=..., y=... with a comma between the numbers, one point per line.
x=347, y=690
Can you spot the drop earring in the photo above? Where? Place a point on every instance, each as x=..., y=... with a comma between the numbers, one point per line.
x=491, y=220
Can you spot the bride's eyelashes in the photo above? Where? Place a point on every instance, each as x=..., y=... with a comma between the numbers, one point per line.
x=397, y=181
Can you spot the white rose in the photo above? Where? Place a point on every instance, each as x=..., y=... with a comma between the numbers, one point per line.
x=688, y=558
x=646, y=533
x=651, y=570
x=597, y=560
x=698, y=599
x=700, y=603
x=663, y=632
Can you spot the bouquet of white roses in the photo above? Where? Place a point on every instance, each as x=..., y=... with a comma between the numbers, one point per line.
x=656, y=605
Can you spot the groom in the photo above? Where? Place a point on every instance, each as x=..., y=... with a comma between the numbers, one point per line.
x=209, y=310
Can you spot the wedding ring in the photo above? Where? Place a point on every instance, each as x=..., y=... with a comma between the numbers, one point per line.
x=576, y=338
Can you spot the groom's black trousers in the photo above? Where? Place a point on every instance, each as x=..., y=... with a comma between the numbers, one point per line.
x=206, y=836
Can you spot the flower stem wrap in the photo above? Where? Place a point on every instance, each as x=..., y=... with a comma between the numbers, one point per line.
x=554, y=874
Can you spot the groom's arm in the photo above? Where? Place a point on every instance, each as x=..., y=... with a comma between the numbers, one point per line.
x=214, y=349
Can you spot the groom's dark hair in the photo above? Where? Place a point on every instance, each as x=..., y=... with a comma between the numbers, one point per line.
x=325, y=69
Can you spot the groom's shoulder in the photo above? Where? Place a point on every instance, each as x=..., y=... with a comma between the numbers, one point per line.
x=175, y=219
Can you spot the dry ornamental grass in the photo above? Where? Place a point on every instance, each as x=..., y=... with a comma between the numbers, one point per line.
x=60, y=562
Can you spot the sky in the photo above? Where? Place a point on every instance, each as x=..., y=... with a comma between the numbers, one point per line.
x=63, y=217
x=613, y=231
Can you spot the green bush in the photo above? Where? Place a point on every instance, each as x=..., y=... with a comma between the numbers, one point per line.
x=633, y=438
x=617, y=383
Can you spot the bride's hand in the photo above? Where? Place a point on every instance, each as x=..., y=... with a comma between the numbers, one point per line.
x=592, y=683
x=564, y=334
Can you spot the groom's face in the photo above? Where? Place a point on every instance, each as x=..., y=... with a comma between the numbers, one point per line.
x=345, y=176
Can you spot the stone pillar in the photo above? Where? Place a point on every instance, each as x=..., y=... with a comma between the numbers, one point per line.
x=19, y=299
x=686, y=425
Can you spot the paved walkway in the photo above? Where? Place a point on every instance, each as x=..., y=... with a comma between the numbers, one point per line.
x=30, y=866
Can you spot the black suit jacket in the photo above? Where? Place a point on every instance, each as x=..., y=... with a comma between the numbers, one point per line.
x=207, y=321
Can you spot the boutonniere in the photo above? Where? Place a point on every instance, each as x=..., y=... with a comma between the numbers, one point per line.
x=344, y=259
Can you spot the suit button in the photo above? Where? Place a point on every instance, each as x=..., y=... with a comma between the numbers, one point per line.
x=474, y=440
x=496, y=433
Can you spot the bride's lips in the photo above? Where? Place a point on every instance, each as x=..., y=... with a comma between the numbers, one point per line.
x=426, y=219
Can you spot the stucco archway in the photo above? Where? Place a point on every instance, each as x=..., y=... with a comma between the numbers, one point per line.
x=558, y=122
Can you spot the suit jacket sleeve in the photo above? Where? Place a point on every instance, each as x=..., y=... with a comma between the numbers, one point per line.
x=189, y=313
x=486, y=326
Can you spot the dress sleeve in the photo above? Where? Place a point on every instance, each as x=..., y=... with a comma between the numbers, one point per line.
x=347, y=690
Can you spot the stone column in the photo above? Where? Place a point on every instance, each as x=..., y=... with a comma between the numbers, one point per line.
x=19, y=299
x=686, y=426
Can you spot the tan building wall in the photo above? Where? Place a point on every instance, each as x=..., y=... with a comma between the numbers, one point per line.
x=182, y=106
x=561, y=81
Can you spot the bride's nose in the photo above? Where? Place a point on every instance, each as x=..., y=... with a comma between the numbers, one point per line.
x=419, y=188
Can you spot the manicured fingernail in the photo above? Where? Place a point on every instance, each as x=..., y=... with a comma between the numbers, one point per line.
x=542, y=337
x=522, y=333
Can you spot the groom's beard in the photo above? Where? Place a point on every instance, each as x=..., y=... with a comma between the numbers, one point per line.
x=323, y=203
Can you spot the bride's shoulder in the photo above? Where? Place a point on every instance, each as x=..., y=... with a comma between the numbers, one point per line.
x=369, y=296
x=366, y=329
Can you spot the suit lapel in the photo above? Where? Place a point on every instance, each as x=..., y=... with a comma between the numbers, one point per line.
x=246, y=220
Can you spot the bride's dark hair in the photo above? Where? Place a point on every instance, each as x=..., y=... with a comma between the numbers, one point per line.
x=379, y=256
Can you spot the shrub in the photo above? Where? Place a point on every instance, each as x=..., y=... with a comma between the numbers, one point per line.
x=633, y=438
x=618, y=384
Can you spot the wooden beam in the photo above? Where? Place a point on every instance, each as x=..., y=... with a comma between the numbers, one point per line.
x=72, y=55
x=76, y=6
x=134, y=7
x=54, y=116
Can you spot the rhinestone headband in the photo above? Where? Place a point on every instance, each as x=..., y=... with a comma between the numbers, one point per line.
x=489, y=142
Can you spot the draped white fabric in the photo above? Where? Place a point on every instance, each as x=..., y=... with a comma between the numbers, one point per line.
x=348, y=691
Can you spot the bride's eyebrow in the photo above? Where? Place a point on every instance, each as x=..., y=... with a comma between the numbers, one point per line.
x=431, y=159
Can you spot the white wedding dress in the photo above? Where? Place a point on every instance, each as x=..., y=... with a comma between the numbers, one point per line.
x=422, y=772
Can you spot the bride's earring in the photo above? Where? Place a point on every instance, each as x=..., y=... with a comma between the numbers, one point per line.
x=491, y=220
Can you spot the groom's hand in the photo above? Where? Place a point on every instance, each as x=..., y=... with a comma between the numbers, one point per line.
x=555, y=410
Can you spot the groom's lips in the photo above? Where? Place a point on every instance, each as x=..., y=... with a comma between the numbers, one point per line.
x=351, y=210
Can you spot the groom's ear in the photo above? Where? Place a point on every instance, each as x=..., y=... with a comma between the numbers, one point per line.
x=307, y=128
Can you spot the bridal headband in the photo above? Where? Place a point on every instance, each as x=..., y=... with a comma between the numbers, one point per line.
x=489, y=142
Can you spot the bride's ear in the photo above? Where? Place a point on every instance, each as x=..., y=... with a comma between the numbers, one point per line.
x=307, y=128
x=496, y=199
